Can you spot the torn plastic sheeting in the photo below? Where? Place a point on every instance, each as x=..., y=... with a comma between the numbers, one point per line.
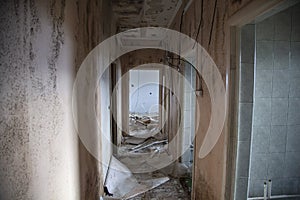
x=123, y=185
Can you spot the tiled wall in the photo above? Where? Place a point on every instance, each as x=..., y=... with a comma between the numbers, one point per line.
x=188, y=115
x=275, y=146
x=246, y=77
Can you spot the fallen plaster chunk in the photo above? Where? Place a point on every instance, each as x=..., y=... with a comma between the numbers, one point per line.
x=123, y=185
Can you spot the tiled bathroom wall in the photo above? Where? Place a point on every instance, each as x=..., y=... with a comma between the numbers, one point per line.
x=268, y=140
x=246, y=79
x=188, y=115
x=275, y=143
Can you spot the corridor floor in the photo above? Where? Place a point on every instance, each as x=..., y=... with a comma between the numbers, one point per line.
x=171, y=190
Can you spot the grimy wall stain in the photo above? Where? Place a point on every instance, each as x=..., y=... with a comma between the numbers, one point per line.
x=95, y=23
x=211, y=17
x=42, y=44
x=14, y=123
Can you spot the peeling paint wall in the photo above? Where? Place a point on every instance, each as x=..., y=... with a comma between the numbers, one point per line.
x=42, y=43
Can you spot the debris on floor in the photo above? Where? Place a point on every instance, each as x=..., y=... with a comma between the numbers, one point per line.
x=143, y=168
x=143, y=126
x=146, y=162
x=171, y=190
x=122, y=184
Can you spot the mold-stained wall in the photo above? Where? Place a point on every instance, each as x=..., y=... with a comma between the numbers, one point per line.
x=42, y=43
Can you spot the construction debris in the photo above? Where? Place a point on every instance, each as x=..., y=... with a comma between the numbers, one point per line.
x=123, y=185
x=143, y=126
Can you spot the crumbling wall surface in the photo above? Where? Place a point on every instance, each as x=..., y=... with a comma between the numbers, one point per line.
x=41, y=45
x=211, y=16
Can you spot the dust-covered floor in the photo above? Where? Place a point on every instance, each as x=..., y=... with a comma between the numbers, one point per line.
x=144, y=151
x=171, y=190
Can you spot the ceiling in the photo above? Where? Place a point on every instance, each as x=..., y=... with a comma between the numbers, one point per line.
x=140, y=13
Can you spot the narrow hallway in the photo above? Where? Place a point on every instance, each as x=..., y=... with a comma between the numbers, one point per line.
x=149, y=99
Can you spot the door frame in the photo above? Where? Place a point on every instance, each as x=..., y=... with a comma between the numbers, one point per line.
x=249, y=13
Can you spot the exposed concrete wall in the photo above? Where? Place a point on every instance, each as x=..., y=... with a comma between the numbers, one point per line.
x=42, y=43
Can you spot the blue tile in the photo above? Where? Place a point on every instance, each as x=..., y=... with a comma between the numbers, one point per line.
x=243, y=159
x=264, y=75
x=278, y=139
x=294, y=114
x=295, y=36
x=283, y=25
x=279, y=111
x=281, y=54
x=280, y=89
x=256, y=188
x=248, y=42
x=246, y=82
x=294, y=90
x=263, y=89
x=292, y=165
x=259, y=166
x=262, y=111
x=241, y=188
x=245, y=121
x=295, y=55
x=276, y=165
x=281, y=83
x=261, y=139
x=293, y=139
x=264, y=55
x=265, y=29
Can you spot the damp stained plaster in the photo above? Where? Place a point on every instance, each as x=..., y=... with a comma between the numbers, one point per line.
x=141, y=13
x=209, y=176
x=95, y=24
x=42, y=44
x=36, y=84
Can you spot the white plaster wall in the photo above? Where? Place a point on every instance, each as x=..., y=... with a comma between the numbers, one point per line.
x=142, y=83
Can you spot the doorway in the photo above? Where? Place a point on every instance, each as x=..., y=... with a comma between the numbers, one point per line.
x=268, y=48
x=155, y=115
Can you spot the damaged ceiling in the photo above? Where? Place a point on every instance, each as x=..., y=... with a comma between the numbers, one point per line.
x=140, y=13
